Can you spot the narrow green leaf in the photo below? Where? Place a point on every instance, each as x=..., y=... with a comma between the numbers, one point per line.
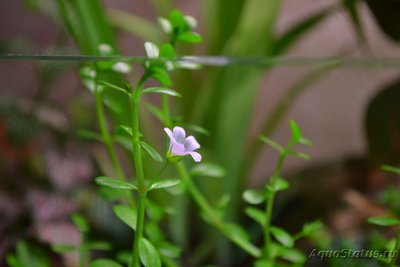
x=63, y=248
x=256, y=214
x=290, y=37
x=190, y=37
x=282, y=236
x=161, y=90
x=149, y=256
x=254, y=197
x=352, y=9
x=112, y=86
x=164, y=184
x=197, y=129
x=311, y=228
x=207, y=169
x=278, y=184
x=391, y=169
x=151, y=151
x=80, y=223
x=156, y=111
x=126, y=214
x=272, y=143
x=89, y=135
x=126, y=129
x=305, y=141
x=299, y=154
x=296, y=132
x=236, y=232
x=294, y=255
x=383, y=221
x=169, y=250
x=99, y=245
x=105, y=263
x=114, y=183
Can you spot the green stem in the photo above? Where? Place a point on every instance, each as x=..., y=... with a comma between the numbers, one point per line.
x=269, y=207
x=214, y=218
x=83, y=253
x=137, y=157
x=396, y=249
x=109, y=143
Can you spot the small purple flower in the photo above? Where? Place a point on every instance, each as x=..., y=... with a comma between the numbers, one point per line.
x=181, y=145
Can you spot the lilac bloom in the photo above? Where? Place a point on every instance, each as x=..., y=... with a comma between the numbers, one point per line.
x=181, y=145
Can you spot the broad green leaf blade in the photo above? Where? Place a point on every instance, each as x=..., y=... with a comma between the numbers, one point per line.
x=282, y=236
x=161, y=90
x=151, y=151
x=162, y=76
x=383, y=221
x=254, y=197
x=167, y=51
x=257, y=215
x=391, y=169
x=164, y=184
x=190, y=37
x=99, y=245
x=294, y=255
x=126, y=214
x=63, y=248
x=80, y=223
x=114, y=183
x=105, y=263
x=207, y=169
x=278, y=184
x=149, y=256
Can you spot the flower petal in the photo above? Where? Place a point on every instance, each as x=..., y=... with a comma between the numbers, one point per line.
x=178, y=149
x=191, y=144
x=151, y=50
x=179, y=134
x=196, y=156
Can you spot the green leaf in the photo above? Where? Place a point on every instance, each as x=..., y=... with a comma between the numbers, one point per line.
x=126, y=129
x=278, y=184
x=167, y=51
x=89, y=135
x=299, y=154
x=126, y=214
x=383, y=221
x=351, y=6
x=282, y=236
x=169, y=250
x=294, y=255
x=114, y=183
x=305, y=141
x=28, y=255
x=99, y=245
x=236, y=232
x=80, y=223
x=162, y=76
x=264, y=263
x=190, y=37
x=272, y=143
x=290, y=37
x=197, y=129
x=151, y=151
x=254, y=197
x=164, y=184
x=256, y=214
x=112, y=86
x=311, y=228
x=161, y=90
x=156, y=111
x=149, y=256
x=207, y=169
x=296, y=132
x=105, y=263
x=177, y=19
x=391, y=169
x=110, y=194
x=63, y=248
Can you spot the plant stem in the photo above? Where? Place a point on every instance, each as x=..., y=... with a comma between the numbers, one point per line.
x=396, y=249
x=109, y=143
x=269, y=207
x=213, y=217
x=137, y=156
x=83, y=253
